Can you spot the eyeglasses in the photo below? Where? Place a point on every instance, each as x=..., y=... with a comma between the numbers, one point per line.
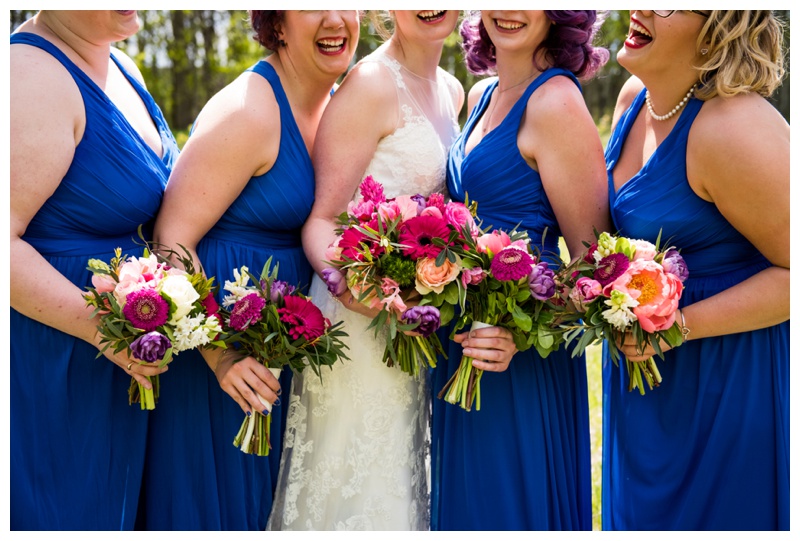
x=664, y=13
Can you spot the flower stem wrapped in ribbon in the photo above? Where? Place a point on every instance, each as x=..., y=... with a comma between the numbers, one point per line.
x=624, y=285
x=271, y=321
x=153, y=310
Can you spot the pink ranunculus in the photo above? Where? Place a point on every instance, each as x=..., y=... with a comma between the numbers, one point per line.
x=585, y=291
x=388, y=211
x=333, y=252
x=407, y=206
x=432, y=211
x=493, y=242
x=644, y=250
x=103, y=283
x=657, y=292
x=392, y=299
x=473, y=276
x=361, y=210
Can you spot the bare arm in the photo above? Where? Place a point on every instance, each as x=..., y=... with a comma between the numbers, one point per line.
x=234, y=139
x=362, y=112
x=558, y=137
x=45, y=129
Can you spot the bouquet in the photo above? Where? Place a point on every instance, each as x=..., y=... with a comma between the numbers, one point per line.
x=153, y=311
x=624, y=285
x=387, y=252
x=502, y=282
x=275, y=324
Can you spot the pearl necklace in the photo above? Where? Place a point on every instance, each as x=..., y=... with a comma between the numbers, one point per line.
x=674, y=109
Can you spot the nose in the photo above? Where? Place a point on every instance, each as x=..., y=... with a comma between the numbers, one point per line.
x=334, y=19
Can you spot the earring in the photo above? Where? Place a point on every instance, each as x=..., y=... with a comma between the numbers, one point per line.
x=704, y=51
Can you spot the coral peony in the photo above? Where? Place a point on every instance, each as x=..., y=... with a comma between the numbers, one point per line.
x=656, y=292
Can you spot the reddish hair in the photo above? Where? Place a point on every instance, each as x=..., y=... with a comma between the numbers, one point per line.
x=265, y=24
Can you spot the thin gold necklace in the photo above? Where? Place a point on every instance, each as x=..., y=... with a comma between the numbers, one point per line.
x=499, y=93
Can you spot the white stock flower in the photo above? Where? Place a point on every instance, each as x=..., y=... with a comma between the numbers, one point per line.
x=194, y=332
x=238, y=287
x=620, y=314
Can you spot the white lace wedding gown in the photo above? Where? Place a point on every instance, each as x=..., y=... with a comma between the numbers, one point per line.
x=356, y=446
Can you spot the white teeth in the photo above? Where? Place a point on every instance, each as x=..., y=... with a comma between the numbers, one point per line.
x=639, y=28
x=507, y=25
x=431, y=14
x=334, y=43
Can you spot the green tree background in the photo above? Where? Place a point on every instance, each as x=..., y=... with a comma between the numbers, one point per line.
x=186, y=56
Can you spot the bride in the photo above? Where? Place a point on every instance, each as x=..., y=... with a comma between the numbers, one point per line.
x=355, y=451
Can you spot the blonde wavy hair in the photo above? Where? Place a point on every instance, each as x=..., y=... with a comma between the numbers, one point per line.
x=745, y=53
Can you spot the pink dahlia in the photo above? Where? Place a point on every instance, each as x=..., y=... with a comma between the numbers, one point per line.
x=302, y=318
x=417, y=235
x=246, y=311
x=610, y=268
x=511, y=263
x=146, y=309
x=371, y=190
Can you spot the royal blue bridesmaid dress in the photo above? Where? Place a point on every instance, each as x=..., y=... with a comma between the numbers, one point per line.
x=523, y=461
x=709, y=448
x=77, y=447
x=195, y=478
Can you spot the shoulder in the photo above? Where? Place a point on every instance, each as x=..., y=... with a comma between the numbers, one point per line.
x=244, y=111
x=627, y=94
x=129, y=65
x=455, y=87
x=733, y=135
x=555, y=100
x=371, y=80
x=477, y=91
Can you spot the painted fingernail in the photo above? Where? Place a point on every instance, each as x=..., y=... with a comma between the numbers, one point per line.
x=278, y=392
x=265, y=412
x=248, y=413
x=277, y=402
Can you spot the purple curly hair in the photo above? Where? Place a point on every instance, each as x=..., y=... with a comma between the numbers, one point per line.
x=265, y=25
x=568, y=43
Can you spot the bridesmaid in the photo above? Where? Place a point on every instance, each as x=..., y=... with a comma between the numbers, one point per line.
x=90, y=155
x=530, y=155
x=239, y=195
x=708, y=449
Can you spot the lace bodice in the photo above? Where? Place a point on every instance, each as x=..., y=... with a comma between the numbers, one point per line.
x=356, y=451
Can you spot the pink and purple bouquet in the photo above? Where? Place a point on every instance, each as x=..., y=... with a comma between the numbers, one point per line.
x=152, y=310
x=501, y=282
x=387, y=253
x=271, y=321
x=624, y=285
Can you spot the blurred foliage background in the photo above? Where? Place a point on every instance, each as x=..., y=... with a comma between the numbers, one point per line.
x=186, y=56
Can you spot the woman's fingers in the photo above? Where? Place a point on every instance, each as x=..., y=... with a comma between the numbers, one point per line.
x=491, y=348
x=250, y=384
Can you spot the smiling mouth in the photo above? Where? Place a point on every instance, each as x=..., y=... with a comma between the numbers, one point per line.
x=431, y=16
x=508, y=25
x=332, y=45
x=638, y=35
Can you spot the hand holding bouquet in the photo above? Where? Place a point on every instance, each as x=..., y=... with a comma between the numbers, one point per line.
x=272, y=322
x=153, y=311
x=624, y=285
x=385, y=247
x=502, y=283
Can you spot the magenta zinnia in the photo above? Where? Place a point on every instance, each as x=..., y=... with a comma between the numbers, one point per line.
x=146, y=309
x=246, y=311
x=417, y=235
x=302, y=318
x=610, y=268
x=511, y=263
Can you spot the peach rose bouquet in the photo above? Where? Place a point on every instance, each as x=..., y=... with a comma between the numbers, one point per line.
x=624, y=285
x=391, y=251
